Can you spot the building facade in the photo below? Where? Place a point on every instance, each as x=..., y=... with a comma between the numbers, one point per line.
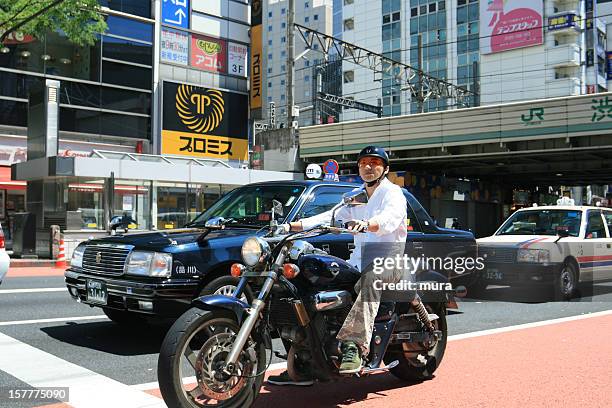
x=482, y=46
x=315, y=14
x=167, y=83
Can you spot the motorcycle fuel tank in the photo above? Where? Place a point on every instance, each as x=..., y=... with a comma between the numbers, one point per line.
x=326, y=271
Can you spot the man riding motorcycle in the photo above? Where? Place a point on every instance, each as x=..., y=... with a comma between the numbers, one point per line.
x=381, y=220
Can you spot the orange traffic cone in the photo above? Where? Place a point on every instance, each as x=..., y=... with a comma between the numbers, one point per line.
x=60, y=262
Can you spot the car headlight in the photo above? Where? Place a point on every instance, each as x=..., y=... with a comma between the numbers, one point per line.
x=77, y=256
x=145, y=263
x=533, y=255
x=255, y=250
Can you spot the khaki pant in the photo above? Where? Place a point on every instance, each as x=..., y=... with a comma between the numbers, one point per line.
x=359, y=323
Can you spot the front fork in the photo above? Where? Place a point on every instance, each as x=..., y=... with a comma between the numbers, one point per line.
x=254, y=312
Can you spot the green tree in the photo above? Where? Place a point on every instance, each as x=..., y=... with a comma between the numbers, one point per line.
x=80, y=20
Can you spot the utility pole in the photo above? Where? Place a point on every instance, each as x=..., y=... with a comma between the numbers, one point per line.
x=475, y=86
x=420, y=97
x=290, y=63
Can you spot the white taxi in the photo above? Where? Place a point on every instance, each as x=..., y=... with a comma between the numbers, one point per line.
x=558, y=246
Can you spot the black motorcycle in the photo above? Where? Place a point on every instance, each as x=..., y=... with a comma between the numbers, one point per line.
x=215, y=354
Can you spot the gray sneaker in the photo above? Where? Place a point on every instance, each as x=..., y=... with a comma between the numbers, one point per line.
x=284, y=379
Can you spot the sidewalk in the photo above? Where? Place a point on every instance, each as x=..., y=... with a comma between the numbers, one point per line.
x=28, y=271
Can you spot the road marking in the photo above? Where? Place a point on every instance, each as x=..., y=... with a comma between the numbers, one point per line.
x=279, y=366
x=191, y=380
x=53, y=320
x=35, y=290
x=87, y=389
x=528, y=325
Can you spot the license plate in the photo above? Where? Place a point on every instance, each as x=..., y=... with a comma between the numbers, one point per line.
x=96, y=292
x=494, y=274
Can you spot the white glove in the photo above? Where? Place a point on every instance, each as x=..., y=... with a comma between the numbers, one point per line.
x=357, y=225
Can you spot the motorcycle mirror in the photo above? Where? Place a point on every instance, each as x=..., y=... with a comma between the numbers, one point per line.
x=215, y=223
x=358, y=197
x=277, y=206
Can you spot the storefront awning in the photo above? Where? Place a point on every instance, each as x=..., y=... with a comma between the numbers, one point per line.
x=144, y=167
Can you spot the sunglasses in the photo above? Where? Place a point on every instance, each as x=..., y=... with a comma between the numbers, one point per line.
x=371, y=161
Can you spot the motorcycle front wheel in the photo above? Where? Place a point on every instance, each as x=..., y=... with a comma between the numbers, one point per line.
x=190, y=355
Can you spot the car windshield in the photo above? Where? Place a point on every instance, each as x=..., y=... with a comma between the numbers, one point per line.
x=542, y=222
x=252, y=205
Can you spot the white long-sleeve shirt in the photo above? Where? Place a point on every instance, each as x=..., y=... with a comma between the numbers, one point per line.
x=387, y=206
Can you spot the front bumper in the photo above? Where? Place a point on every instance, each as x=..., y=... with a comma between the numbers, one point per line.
x=520, y=274
x=163, y=298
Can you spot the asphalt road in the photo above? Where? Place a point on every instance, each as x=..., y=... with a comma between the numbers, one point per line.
x=84, y=337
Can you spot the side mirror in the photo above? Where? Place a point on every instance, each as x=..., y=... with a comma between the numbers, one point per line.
x=277, y=208
x=562, y=232
x=359, y=197
x=215, y=223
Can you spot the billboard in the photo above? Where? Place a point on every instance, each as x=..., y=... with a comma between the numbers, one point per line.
x=237, y=59
x=256, y=57
x=510, y=24
x=208, y=54
x=204, y=122
x=174, y=46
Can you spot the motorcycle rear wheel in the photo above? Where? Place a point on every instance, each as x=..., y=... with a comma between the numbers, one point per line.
x=192, y=344
x=409, y=367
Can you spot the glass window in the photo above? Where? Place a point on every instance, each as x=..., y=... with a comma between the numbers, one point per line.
x=608, y=218
x=25, y=55
x=595, y=226
x=63, y=58
x=126, y=27
x=86, y=199
x=171, y=205
x=126, y=75
x=13, y=113
x=16, y=85
x=323, y=199
x=251, y=205
x=473, y=12
x=306, y=19
x=125, y=100
x=126, y=50
x=124, y=125
x=79, y=120
x=542, y=222
x=315, y=17
x=131, y=198
x=462, y=15
x=77, y=93
x=136, y=7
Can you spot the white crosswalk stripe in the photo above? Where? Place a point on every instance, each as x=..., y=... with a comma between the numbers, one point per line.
x=87, y=389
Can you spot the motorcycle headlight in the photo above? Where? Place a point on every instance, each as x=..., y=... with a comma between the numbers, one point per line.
x=533, y=255
x=255, y=250
x=77, y=257
x=145, y=263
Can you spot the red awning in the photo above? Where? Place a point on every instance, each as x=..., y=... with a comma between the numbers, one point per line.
x=6, y=183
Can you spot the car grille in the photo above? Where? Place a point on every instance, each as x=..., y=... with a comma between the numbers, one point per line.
x=498, y=255
x=105, y=259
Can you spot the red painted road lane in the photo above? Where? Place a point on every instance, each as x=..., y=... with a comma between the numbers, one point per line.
x=565, y=364
x=34, y=271
x=561, y=365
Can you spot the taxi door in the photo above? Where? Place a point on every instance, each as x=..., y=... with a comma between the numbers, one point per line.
x=597, y=259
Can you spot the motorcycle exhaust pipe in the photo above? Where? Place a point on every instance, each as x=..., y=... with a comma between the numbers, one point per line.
x=333, y=299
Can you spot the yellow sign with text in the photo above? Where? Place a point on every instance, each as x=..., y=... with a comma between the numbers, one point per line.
x=256, y=67
x=200, y=145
